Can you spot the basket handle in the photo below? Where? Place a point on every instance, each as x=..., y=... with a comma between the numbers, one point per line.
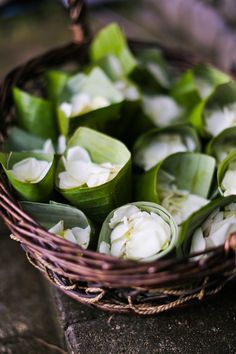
x=79, y=24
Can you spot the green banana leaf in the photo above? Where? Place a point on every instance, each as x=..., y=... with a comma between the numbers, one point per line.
x=49, y=215
x=55, y=83
x=221, y=145
x=196, y=84
x=35, y=115
x=192, y=172
x=196, y=220
x=223, y=94
x=98, y=201
x=105, y=234
x=187, y=134
x=111, y=41
x=223, y=167
x=35, y=192
x=152, y=70
x=111, y=66
x=19, y=140
x=95, y=84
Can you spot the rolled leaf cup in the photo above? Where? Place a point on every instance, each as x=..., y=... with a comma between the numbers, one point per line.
x=58, y=218
x=79, y=103
x=198, y=220
x=185, y=176
x=40, y=187
x=217, y=112
x=35, y=115
x=152, y=72
x=140, y=231
x=226, y=175
x=221, y=145
x=155, y=145
x=98, y=201
x=196, y=84
x=112, y=41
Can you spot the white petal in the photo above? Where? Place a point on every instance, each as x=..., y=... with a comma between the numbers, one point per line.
x=79, y=170
x=66, y=108
x=119, y=214
x=191, y=204
x=82, y=236
x=58, y=228
x=163, y=110
x=69, y=236
x=61, y=144
x=99, y=102
x=78, y=153
x=119, y=231
x=198, y=242
x=158, y=149
x=219, y=236
x=104, y=248
x=229, y=182
x=143, y=244
x=31, y=170
x=66, y=181
x=48, y=147
x=98, y=176
x=118, y=247
x=80, y=104
x=218, y=120
x=204, y=87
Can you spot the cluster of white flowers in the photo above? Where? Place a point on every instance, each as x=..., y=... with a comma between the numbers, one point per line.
x=215, y=230
x=220, y=119
x=30, y=170
x=158, y=148
x=81, y=171
x=136, y=234
x=229, y=180
x=162, y=110
x=82, y=103
x=180, y=203
x=76, y=235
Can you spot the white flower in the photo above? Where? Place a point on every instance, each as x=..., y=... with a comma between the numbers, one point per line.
x=162, y=110
x=229, y=180
x=136, y=234
x=218, y=120
x=61, y=144
x=31, y=170
x=76, y=235
x=129, y=91
x=48, y=147
x=82, y=103
x=157, y=149
x=215, y=230
x=81, y=171
x=204, y=87
x=66, y=108
x=180, y=203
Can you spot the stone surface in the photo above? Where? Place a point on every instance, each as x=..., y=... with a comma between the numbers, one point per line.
x=207, y=327
x=27, y=318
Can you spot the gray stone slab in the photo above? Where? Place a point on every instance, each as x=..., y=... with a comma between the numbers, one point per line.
x=206, y=327
x=27, y=318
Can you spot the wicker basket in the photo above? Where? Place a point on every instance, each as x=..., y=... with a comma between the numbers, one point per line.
x=92, y=278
